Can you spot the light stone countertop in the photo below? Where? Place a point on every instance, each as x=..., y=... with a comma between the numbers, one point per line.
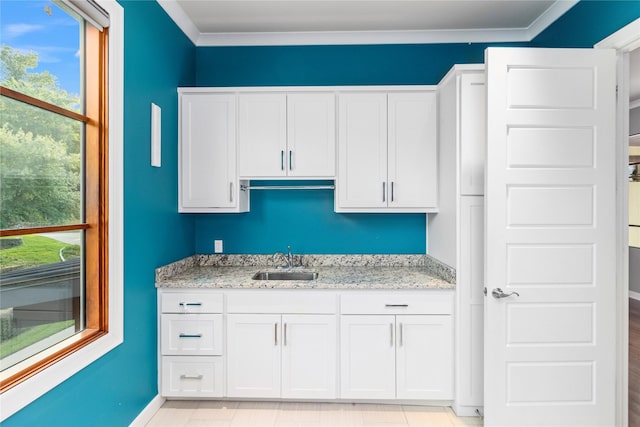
x=363, y=272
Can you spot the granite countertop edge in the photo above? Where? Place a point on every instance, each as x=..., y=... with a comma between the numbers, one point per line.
x=337, y=272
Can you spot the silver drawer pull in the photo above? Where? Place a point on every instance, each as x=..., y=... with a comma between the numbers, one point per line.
x=191, y=377
x=190, y=335
x=190, y=304
x=396, y=305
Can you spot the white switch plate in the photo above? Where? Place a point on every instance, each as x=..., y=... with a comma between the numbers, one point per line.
x=217, y=246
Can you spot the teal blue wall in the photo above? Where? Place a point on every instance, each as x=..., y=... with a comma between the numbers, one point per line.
x=112, y=391
x=158, y=58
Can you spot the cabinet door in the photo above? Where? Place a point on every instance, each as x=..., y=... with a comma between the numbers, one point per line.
x=413, y=175
x=253, y=355
x=362, y=151
x=208, y=151
x=309, y=356
x=472, y=133
x=470, y=322
x=367, y=356
x=311, y=135
x=424, y=357
x=262, y=140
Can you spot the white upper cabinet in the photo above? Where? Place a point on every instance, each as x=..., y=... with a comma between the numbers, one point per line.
x=387, y=158
x=311, y=135
x=472, y=133
x=262, y=141
x=287, y=135
x=208, y=178
x=362, y=151
x=412, y=145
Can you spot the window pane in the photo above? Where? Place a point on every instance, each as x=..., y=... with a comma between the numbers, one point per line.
x=40, y=167
x=41, y=52
x=41, y=297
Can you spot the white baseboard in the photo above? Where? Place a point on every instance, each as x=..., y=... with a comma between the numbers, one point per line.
x=467, y=411
x=148, y=412
x=634, y=295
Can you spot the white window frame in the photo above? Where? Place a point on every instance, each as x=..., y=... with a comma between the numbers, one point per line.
x=21, y=395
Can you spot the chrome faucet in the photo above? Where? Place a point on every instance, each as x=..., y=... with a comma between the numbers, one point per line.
x=288, y=257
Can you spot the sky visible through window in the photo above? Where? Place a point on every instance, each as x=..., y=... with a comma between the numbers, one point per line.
x=42, y=27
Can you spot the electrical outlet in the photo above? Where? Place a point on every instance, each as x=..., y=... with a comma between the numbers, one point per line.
x=217, y=246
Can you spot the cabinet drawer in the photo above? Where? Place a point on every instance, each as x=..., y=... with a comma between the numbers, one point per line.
x=192, y=376
x=191, y=302
x=274, y=302
x=191, y=334
x=428, y=302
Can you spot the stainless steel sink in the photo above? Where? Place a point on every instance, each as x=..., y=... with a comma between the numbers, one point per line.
x=285, y=275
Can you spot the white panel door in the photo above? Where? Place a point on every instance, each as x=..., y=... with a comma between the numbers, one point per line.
x=550, y=227
x=424, y=357
x=309, y=356
x=412, y=150
x=208, y=151
x=311, y=135
x=362, y=150
x=253, y=355
x=262, y=135
x=367, y=356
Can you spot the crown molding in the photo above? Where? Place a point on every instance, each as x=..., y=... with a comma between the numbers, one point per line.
x=625, y=39
x=182, y=20
x=549, y=16
x=177, y=14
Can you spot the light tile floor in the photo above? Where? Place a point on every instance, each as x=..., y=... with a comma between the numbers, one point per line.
x=189, y=413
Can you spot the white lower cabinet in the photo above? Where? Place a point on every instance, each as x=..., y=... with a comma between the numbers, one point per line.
x=253, y=355
x=367, y=357
x=278, y=344
x=309, y=353
x=289, y=356
x=396, y=357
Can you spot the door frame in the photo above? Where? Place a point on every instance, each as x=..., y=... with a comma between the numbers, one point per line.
x=623, y=41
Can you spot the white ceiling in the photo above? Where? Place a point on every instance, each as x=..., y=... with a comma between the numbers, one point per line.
x=298, y=22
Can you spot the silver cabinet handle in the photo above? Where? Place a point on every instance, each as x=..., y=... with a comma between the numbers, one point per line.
x=401, y=334
x=281, y=160
x=290, y=159
x=190, y=304
x=391, y=333
x=498, y=293
x=231, y=191
x=392, y=185
x=284, y=335
x=396, y=305
x=384, y=191
x=190, y=335
x=191, y=377
x=275, y=334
